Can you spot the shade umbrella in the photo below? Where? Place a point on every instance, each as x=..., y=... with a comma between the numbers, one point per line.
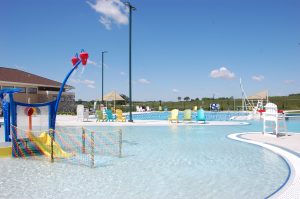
x=113, y=96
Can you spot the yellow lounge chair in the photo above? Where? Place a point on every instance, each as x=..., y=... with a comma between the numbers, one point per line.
x=120, y=117
x=174, y=116
x=195, y=108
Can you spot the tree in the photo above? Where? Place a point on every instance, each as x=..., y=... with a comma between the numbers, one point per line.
x=179, y=99
x=197, y=99
x=79, y=101
x=186, y=98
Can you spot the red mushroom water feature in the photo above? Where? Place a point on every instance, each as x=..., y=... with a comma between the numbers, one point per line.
x=84, y=56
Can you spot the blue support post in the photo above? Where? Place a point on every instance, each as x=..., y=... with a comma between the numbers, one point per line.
x=6, y=115
x=61, y=90
x=14, y=136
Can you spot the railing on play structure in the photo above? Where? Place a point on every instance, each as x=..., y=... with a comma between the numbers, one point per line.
x=79, y=146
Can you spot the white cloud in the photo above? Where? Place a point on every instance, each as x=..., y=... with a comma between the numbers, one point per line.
x=258, y=78
x=222, y=73
x=144, y=81
x=122, y=73
x=91, y=62
x=87, y=82
x=90, y=86
x=175, y=90
x=112, y=11
x=289, y=81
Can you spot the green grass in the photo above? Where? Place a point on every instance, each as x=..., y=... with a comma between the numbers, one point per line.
x=291, y=102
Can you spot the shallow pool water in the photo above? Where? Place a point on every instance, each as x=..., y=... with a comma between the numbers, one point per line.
x=158, y=162
x=209, y=115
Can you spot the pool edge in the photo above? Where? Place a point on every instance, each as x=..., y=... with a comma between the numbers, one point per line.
x=289, y=188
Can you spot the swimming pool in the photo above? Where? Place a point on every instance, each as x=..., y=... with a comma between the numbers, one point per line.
x=164, y=115
x=158, y=162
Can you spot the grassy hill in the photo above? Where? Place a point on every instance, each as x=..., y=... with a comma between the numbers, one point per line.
x=291, y=102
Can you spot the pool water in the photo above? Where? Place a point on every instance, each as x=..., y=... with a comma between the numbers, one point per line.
x=171, y=162
x=209, y=116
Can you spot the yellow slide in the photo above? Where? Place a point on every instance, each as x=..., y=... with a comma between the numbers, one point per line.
x=43, y=142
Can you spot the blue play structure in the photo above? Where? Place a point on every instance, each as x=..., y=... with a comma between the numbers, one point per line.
x=12, y=110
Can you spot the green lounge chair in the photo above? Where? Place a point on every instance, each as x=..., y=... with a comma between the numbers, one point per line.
x=174, y=116
x=99, y=116
x=187, y=115
x=109, y=115
x=200, y=116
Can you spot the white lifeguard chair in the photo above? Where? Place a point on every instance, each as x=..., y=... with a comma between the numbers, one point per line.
x=82, y=113
x=271, y=119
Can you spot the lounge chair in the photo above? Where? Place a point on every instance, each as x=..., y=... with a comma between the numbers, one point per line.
x=174, y=116
x=195, y=108
x=187, y=115
x=200, y=116
x=99, y=116
x=148, y=109
x=159, y=108
x=109, y=115
x=137, y=108
x=120, y=117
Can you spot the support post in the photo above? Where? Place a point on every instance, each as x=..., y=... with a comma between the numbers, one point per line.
x=131, y=8
x=83, y=140
x=52, y=140
x=92, y=149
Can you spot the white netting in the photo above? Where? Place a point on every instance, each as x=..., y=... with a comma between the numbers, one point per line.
x=79, y=146
x=40, y=118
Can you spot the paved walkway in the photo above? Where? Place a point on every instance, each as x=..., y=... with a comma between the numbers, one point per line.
x=67, y=120
x=291, y=143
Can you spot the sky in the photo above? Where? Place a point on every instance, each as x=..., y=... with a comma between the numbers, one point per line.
x=194, y=48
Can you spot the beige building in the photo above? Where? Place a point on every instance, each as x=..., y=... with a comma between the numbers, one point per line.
x=36, y=89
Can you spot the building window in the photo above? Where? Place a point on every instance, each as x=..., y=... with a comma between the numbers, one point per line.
x=54, y=97
x=7, y=87
x=23, y=90
x=32, y=90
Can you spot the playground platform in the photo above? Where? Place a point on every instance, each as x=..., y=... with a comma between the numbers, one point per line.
x=5, y=149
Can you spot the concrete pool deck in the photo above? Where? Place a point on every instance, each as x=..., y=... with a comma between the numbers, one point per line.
x=67, y=120
x=285, y=146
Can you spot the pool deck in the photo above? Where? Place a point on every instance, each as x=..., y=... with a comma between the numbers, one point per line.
x=290, y=143
x=67, y=120
x=285, y=146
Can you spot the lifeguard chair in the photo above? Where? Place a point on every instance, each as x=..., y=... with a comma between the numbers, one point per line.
x=271, y=118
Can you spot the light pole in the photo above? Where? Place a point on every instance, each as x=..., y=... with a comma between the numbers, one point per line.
x=102, y=102
x=131, y=8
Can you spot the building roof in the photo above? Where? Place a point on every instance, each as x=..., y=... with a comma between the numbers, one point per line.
x=259, y=96
x=12, y=75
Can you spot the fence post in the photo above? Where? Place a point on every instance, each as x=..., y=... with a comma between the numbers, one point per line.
x=92, y=150
x=83, y=140
x=52, y=139
x=120, y=143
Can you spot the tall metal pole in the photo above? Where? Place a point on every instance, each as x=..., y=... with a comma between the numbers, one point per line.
x=131, y=8
x=102, y=102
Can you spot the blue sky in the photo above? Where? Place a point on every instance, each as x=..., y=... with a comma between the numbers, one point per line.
x=195, y=48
